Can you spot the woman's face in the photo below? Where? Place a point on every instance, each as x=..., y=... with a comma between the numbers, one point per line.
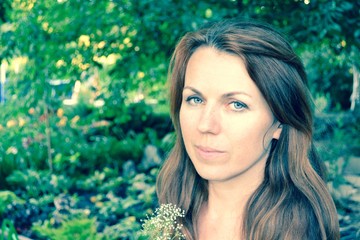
x=226, y=124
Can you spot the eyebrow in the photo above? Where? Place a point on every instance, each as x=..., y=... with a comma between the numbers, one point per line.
x=226, y=95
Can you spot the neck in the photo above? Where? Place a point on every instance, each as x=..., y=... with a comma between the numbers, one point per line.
x=228, y=199
x=233, y=193
x=221, y=216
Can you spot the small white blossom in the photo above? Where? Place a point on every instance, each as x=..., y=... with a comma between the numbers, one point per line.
x=163, y=224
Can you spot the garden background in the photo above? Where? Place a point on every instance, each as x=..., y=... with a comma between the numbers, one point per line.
x=84, y=122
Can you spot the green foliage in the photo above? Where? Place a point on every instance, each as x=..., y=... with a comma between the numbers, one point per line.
x=127, y=44
x=8, y=231
x=37, y=183
x=77, y=228
x=127, y=228
x=7, y=197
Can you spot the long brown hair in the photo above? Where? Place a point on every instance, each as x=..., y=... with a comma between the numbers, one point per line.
x=292, y=202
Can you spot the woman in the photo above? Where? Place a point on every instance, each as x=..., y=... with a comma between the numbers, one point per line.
x=243, y=165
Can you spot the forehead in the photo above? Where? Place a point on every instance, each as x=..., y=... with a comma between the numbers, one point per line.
x=211, y=69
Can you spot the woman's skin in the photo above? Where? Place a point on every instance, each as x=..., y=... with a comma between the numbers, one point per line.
x=227, y=128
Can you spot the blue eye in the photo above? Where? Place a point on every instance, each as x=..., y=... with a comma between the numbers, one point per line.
x=193, y=100
x=236, y=105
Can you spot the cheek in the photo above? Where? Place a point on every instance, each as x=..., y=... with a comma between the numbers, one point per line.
x=181, y=118
x=188, y=125
x=250, y=137
x=184, y=122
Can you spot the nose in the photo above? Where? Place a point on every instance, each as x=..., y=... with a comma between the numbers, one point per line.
x=210, y=120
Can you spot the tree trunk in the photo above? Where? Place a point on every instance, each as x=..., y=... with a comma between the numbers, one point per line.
x=355, y=96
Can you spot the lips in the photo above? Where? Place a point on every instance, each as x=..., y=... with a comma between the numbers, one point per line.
x=208, y=153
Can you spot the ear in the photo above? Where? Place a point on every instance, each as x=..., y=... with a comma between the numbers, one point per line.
x=277, y=132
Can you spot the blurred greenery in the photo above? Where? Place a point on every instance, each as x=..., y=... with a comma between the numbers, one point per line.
x=85, y=117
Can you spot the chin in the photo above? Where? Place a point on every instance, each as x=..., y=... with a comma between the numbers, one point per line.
x=214, y=176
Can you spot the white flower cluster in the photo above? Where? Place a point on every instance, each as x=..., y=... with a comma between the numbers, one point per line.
x=163, y=224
